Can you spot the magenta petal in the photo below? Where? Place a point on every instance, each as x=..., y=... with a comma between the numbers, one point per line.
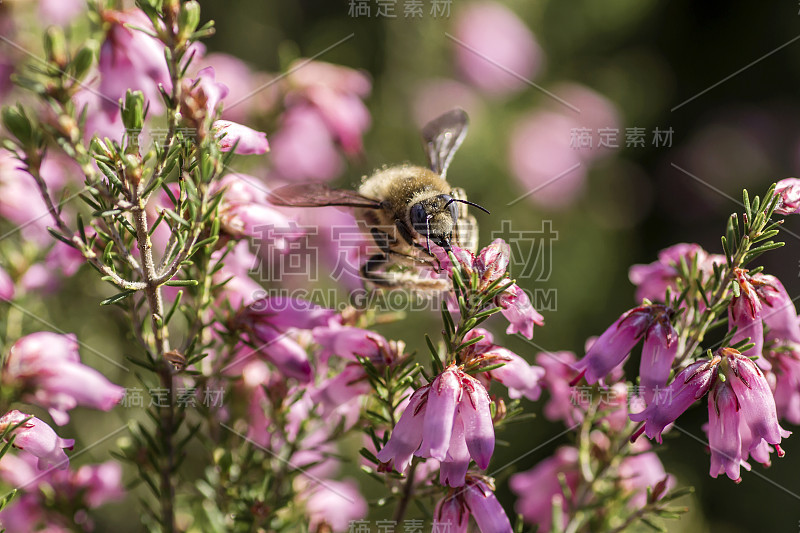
x=486, y=510
x=249, y=140
x=615, y=344
x=407, y=434
x=450, y=516
x=443, y=397
x=788, y=191
x=453, y=469
x=285, y=353
x=667, y=405
x=724, y=438
x=658, y=353
x=478, y=428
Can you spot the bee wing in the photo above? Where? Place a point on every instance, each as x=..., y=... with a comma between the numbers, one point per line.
x=318, y=195
x=443, y=136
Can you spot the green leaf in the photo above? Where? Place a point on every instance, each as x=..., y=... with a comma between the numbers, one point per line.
x=117, y=297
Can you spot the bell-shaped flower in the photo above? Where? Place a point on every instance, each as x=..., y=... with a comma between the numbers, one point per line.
x=724, y=435
x=540, y=487
x=37, y=438
x=745, y=314
x=130, y=59
x=449, y=420
x=778, y=311
x=653, y=279
x=241, y=139
x=658, y=352
x=615, y=344
x=689, y=385
x=788, y=192
x=48, y=366
x=756, y=405
x=485, y=509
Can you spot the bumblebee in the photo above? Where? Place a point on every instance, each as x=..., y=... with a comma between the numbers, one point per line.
x=405, y=208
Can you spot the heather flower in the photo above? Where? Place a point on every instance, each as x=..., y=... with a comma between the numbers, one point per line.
x=658, y=352
x=333, y=505
x=652, y=280
x=785, y=365
x=521, y=378
x=272, y=324
x=239, y=288
x=490, y=265
x=303, y=149
x=37, y=438
x=245, y=212
x=756, y=406
x=778, y=311
x=559, y=372
x=241, y=82
x=60, y=12
x=451, y=514
x=100, y=483
x=788, y=192
x=724, y=434
x=335, y=93
x=485, y=509
x=745, y=314
x=131, y=59
x=615, y=344
x=246, y=141
x=493, y=35
x=689, y=385
x=448, y=420
x=49, y=368
x=642, y=471
x=539, y=488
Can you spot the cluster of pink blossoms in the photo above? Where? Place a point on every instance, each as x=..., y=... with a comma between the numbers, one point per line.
x=45, y=369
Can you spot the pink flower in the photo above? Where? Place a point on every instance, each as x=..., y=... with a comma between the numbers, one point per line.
x=49, y=365
x=131, y=59
x=745, y=314
x=240, y=289
x=689, y=385
x=517, y=308
x=60, y=12
x=521, y=378
x=303, y=149
x=485, y=509
x=243, y=96
x=451, y=514
x=778, y=311
x=448, y=420
x=478, y=500
x=272, y=325
x=490, y=265
x=756, y=406
x=247, y=141
x=336, y=94
x=658, y=353
x=494, y=43
x=642, y=471
x=102, y=483
x=788, y=191
x=333, y=505
x=559, y=372
x=37, y=438
x=615, y=344
x=785, y=365
x=244, y=211
x=205, y=88
x=652, y=280
x=539, y=488
x=724, y=434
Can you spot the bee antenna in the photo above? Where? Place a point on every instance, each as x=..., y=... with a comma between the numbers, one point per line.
x=473, y=204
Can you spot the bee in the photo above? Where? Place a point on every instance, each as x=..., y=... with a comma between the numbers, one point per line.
x=405, y=208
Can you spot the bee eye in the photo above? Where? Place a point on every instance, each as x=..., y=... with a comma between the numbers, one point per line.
x=419, y=219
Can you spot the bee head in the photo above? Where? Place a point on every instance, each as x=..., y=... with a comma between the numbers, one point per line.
x=435, y=218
